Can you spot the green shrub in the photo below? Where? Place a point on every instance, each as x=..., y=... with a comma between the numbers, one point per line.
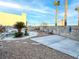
x=26, y=33
x=18, y=34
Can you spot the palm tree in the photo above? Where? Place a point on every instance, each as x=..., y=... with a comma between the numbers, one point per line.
x=19, y=26
x=77, y=9
x=56, y=3
x=66, y=10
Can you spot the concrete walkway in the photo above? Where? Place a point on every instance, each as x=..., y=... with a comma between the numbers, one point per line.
x=62, y=44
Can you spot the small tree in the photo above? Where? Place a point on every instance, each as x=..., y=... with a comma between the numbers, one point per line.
x=19, y=26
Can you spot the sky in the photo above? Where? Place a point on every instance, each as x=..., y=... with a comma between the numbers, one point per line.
x=41, y=11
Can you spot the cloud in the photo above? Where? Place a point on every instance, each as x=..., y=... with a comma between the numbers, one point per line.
x=38, y=6
x=70, y=14
x=44, y=10
x=10, y=5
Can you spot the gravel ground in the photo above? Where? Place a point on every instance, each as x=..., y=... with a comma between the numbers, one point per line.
x=28, y=49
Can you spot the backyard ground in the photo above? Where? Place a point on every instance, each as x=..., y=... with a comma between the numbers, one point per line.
x=28, y=49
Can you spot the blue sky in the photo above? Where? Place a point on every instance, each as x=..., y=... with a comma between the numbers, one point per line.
x=39, y=11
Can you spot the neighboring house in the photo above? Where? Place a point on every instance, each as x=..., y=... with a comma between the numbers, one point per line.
x=9, y=19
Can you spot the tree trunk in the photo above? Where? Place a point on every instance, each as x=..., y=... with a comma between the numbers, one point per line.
x=66, y=12
x=78, y=18
x=56, y=16
x=19, y=30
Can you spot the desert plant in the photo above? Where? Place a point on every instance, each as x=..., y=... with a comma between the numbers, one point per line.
x=26, y=33
x=19, y=26
x=20, y=34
